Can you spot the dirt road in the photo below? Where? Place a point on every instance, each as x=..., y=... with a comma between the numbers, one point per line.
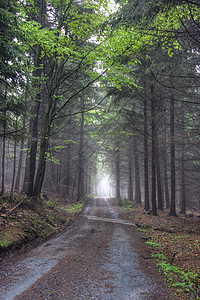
x=100, y=256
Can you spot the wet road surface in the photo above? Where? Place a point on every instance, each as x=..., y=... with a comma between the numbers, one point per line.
x=97, y=257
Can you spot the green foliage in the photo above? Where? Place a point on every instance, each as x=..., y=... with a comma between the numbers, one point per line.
x=6, y=240
x=10, y=53
x=3, y=200
x=153, y=244
x=51, y=204
x=50, y=157
x=125, y=204
x=185, y=281
x=159, y=256
x=176, y=277
x=181, y=236
x=141, y=229
x=74, y=208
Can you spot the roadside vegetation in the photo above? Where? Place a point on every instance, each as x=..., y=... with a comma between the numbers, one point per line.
x=174, y=243
x=23, y=221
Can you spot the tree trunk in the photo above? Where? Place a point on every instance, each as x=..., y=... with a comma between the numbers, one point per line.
x=146, y=160
x=130, y=172
x=117, y=170
x=86, y=180
x=158, y=172
x=137, y=174
x=172, y=159
x=165, y=164
x=89, y=182
x=33, y=128
x=26, y=172
x=17, y=181
x=14, y=165
x=80, y=179
x=68, y=170
x=153, y=149
x=166, y=186
x=3, y=165
x=3, y=156
x=44, y=144
x=182, y=165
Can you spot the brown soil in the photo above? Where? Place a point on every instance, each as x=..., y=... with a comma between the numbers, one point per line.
x=85, y=273
x=30, y=223
x=178, y=238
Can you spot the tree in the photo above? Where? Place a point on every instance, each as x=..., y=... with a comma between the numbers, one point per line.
x=64, y=52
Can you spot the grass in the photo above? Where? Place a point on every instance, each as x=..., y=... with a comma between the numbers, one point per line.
x=74, y=208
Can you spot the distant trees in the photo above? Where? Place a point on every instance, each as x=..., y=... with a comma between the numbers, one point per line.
x=167, y=79
x=58, y=61
x=12, y=72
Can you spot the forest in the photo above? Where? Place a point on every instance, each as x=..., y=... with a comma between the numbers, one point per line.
x=101, y=92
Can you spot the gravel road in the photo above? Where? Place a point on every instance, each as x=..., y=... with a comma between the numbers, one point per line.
x=100, y=256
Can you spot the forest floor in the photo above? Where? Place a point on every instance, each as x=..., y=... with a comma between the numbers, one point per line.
x=173, y=241
x=100, y=256
x=175, y=244
x=25, y=223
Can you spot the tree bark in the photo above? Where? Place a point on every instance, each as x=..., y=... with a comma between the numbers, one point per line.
x=117, y=170
x=33, y=128
x=130, y=172
x=80, y=178
x=68, y=169
x=17, y=181
x=165, y=166
x=158, y=172
x=182, y=165
x=3, y=154
x=153, y=155
x=14, y=166
x=172, y=159
x=44, y=144
x=146, y=160
x=166, y=185
x=137, y=174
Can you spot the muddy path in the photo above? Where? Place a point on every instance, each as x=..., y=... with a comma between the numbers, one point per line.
x=100, y=256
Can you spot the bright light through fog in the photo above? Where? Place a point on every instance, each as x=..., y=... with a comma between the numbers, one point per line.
x=104, y=189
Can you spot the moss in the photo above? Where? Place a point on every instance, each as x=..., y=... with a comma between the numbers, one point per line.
x=6, y=240
x=30, y=222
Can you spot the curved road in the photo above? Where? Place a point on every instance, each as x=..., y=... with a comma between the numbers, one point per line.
x=100, y=256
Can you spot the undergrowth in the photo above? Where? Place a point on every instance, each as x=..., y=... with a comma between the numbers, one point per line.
x=184, y=281
x=74, y=208
x=125, y=204
x=32, y=219
x=174, y=243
